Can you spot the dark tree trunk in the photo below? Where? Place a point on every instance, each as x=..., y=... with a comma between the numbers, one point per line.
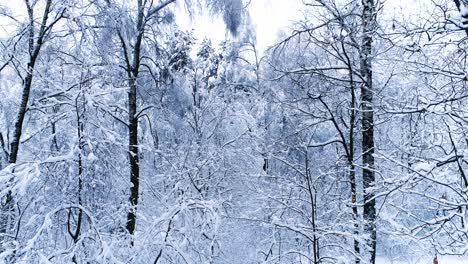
x=34, y=50
x=8, y=203
x=313, y=215
x=14, y=147
x=80, y=129
x=351, y=154
x=368, y=173
x=35, y=45
x=133, y=69
x=133, y=155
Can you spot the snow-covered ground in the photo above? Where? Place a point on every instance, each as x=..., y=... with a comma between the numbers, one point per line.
x=429, y=260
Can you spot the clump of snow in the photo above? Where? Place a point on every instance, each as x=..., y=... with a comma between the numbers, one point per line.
x=92, y=157
x=464, y=11
x=423, y=167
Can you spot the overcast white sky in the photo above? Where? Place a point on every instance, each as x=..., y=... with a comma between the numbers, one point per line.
x=267, y=16
x=271, y=16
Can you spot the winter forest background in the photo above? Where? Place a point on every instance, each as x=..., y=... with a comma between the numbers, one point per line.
x=127, y=139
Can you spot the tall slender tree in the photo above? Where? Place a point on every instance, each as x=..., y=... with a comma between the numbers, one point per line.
x=36, y=42
x=132, y=48
x=367, y=122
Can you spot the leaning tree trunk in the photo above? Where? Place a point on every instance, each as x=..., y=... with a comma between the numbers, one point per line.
x=14, y=147
x=8, y=203
x=367, y=122
x=35, y=45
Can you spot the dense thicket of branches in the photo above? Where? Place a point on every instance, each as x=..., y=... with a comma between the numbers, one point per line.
x=124, y=139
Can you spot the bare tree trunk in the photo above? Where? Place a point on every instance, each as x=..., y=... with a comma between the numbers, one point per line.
x=80, y=129
x=14, y=147
x=133, y=156
x=368, y=173
x=35, y=45
x=351, y=154
x=313, y=214
x=133, y=69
